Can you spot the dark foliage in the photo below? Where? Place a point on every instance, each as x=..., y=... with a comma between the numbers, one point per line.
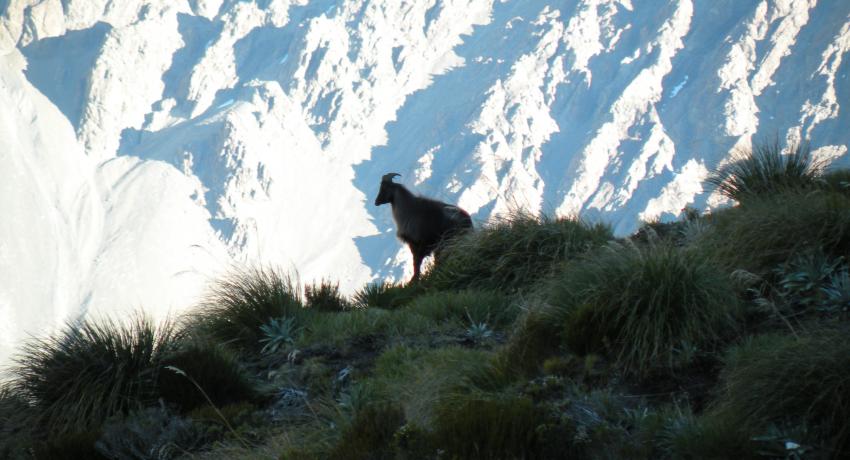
x=325, y=297
x=765, y=171
x=241, y=303
x=513, y=252
x=91, y=371
x=212, y=367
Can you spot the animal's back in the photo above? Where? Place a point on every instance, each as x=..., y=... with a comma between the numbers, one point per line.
x=430, y=225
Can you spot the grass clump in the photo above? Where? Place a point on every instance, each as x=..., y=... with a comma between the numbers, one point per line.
x=488, y=426
x=370, y=433
x=644, y=306
x=15, y=432
x=536, y=337
x=836, y=180
x=325, y=297
x=766, y=170
x=513, y=252
x=775, y=381
x=386, y=295
x=214, y=368
x=768, y=232
x=679, y=433
x=241, y=303
x=78, y=378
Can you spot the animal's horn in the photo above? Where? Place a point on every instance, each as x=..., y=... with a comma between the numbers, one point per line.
x=389, y=177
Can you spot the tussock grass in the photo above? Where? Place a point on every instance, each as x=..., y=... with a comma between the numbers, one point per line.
x=645, y=307
x=766, y=170
x=325, y=297
x=483, y=426
x=386, y=295
x=774, y=380
x=678, y=433
x=15, y=432
x=767, y=232
x=513, y=252
x=835, y=180
x=681, y=232
x=238, y=305
x=213, y=367
x=370, y=433
x=88, y=372
x=537, y=335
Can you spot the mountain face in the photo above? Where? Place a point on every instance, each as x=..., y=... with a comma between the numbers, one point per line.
x=147, y=145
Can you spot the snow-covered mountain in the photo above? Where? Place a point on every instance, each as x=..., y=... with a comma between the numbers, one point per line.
x=146, y=145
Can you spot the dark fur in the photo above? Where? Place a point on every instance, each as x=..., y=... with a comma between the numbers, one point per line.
x=423, y=224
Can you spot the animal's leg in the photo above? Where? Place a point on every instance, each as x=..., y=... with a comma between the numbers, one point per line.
x=438, y=255
x=418, y=255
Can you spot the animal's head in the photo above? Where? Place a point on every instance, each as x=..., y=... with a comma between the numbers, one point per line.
x=385, y=195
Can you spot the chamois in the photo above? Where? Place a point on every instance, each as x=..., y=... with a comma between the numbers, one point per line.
x=422, y=223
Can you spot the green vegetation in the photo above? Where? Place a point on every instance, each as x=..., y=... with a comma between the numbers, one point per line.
x=489, y=427
x=765, y=171
x=243, y=301
x=514, y=252
x=326, y=297
x=213, y=367
x=781, y=380
x=88, y=372
x=469, y=306
x=370, y=433
x=386, y=295
x=645, y=307
x=771, y=230
x=719, y=335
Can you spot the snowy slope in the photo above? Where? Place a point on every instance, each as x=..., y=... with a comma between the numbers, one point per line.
x=145, y=145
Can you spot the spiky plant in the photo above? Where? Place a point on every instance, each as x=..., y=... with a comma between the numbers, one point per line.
x=837, y=293
x=766, y=170
x=478, y=332
x=278, y=333
x=804, y=280
x=238, y=305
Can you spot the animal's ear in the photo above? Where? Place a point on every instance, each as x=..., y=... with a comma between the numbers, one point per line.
x=389, y=177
